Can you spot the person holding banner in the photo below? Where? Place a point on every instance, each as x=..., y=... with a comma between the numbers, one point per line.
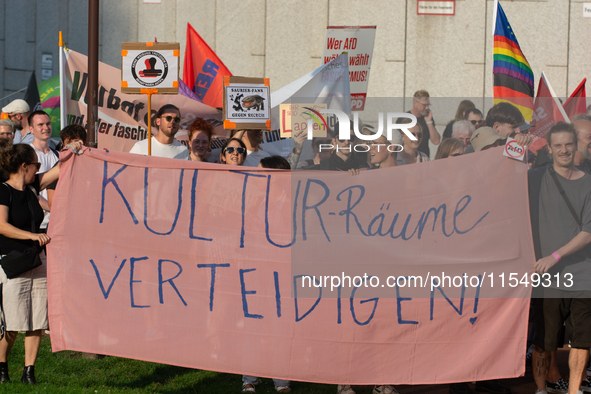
x=411, y=153
x=168, y=120
x=379, y=155
x=249, y=382
x=200, y=133
x=24, y=294
x=560, y=210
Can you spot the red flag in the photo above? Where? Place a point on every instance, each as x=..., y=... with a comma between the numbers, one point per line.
x=547, y=112
x=203, y=71
x=577, y=102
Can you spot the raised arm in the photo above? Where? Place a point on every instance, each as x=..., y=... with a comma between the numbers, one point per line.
x=298, y=142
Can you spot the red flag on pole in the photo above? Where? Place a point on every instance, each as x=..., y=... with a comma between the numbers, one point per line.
x=203, y=71
x=547, y=112
x=577, y=102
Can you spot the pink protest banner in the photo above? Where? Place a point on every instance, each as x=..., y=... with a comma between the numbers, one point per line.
x=123, y=118
x=193, y=264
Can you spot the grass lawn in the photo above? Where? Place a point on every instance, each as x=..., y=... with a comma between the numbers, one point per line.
x=68, y=372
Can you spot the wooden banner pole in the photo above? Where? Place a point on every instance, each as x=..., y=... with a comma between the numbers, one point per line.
x=149, y=124
x=149, y=93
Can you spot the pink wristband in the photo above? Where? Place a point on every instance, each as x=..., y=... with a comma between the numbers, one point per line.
x=556, y=256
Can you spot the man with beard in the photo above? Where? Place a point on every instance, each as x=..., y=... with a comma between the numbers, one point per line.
x=560, y=211
x=252, y=139
x=421, y=109
x=582, y=124
x=18, y=111
x=168, y=120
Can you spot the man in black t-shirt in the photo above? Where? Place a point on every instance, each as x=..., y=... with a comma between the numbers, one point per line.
x=421, y=109
x=560, y=211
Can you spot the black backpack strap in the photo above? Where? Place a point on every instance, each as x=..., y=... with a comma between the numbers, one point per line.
x=565, y=198
x=535, y=177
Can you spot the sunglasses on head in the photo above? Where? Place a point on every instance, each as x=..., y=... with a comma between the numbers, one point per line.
x=169, y=119
x=239, y=150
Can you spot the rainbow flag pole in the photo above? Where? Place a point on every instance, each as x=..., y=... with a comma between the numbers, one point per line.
x=513, y=79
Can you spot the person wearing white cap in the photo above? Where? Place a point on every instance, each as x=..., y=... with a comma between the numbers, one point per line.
x=18, y=111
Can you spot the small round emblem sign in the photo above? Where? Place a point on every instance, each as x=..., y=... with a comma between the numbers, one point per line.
x=149, y=68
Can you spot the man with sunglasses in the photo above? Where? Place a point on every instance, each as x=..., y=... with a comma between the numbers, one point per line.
x=168, y=120
x=474, y=116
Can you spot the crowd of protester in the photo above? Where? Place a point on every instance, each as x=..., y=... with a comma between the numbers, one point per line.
x=30, y=165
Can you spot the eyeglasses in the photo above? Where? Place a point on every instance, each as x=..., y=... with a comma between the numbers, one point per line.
x=37, y=165
x=231, y=150
x=170, y=119
x=475, y=122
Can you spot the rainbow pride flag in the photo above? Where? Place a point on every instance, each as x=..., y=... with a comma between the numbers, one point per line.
x=513, y=79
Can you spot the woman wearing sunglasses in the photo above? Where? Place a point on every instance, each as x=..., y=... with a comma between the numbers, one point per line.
x=410, y=153
x=233, y=152
x=24, y=296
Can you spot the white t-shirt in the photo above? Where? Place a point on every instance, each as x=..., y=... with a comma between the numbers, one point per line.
x=176, y=150
x=254, y=158
x=47, y=160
